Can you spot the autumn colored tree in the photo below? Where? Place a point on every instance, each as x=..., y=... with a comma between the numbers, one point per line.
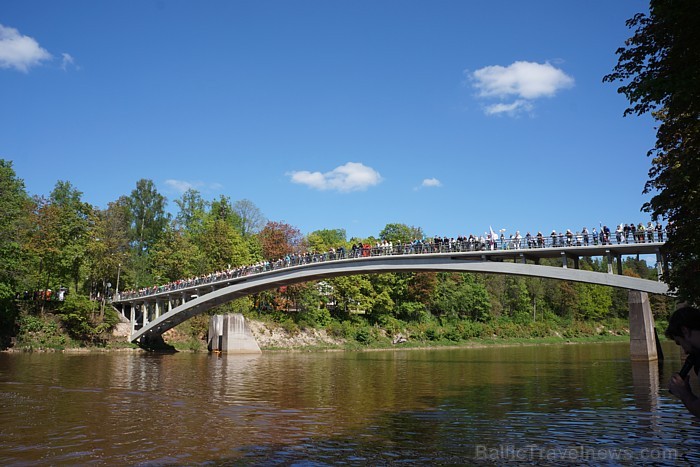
x=278, y=239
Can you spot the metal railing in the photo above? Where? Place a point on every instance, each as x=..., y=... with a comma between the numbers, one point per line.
x=425, y=246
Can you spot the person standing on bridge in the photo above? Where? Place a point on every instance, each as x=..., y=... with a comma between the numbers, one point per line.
x=684, y=329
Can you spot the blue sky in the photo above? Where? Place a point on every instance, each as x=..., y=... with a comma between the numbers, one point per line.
x=451, y=116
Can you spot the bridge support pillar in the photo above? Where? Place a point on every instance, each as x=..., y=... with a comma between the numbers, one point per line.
x=231, y=334
x=132, y=318
x=216, y=332
x=563, y=260
x=642, y=334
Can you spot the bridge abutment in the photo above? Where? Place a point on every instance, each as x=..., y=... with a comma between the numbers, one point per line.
x=231, y=334
x=642, y=334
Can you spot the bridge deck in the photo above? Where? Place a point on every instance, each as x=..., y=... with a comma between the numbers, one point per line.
x=198, y=298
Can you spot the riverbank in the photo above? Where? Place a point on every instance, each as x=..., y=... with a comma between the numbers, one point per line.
x=273, y=336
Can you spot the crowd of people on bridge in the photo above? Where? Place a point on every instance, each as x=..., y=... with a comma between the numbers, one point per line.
x=489, y=241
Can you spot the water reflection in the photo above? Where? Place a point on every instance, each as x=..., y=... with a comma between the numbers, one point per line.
x=439, y=406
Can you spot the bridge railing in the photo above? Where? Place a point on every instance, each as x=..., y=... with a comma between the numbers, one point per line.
x=427, y=246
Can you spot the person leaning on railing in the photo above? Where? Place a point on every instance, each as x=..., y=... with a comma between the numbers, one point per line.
x=435, y=245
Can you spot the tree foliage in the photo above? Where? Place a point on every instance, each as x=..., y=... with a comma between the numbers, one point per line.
x=193, y=209
x=400, y=233
x=279, y=239
x=251, y=218
x=14, y=209
x=325, y=239
x=660, y=68
x=49, y=241
x=147, y=216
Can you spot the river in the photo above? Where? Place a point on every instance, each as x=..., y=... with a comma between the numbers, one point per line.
x=548, y=404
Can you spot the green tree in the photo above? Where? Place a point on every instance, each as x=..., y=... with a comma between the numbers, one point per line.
x=353, y=293
x=400, y=233
x=147, y=222
x=147, y=215
x=460, y=295
x=325, y=239
x=221, y=245
x=108, y=248
x=44, y=241
x=14, y=212
x=593, y=302
x=660, y=68
x=176, y=256
x=193, y=209
x=222, y=209
x=73, y=224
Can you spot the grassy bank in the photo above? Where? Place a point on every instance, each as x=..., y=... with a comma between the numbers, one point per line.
x=273, y=335
x=67, y=329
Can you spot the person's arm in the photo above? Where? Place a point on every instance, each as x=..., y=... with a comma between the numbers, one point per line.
x=681, y=388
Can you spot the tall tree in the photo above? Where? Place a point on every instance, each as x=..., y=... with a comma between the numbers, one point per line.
x=176, y=256
x=222, y=209
x=147, y=215
x=221, y=245
x=73, y=226
x=193, y=209
x=660, y=66
x=251, y=218
x=14, y=210
x=108, y=250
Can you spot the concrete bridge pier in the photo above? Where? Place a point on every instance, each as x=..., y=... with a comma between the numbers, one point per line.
x=642, y=333
x=231, y=334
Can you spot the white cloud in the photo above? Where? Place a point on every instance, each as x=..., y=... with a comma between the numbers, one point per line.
x=18, y=51
x=525, y=81
x=353, y=176
x=512, y=109
x=431, y=182
x=182, y=186
x=66, y=60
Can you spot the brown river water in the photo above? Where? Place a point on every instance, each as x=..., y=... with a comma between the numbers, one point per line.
x=548, y=404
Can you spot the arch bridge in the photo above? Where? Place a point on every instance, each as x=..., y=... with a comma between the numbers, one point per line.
x=154, y=312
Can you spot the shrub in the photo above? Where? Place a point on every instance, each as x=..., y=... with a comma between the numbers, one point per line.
x=453, y=332
x=433, y=333
x=290, y=326
x=364, y=335
x=474, y=330
x=39, y=333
